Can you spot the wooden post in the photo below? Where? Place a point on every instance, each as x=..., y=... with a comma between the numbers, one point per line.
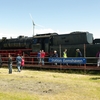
x=60, y=56
x=60, y=50
x=84, y=57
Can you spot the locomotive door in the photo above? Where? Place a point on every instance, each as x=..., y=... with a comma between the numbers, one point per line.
x=45, y=44
x=41, y=43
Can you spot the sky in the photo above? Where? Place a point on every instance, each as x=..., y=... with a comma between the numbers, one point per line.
x=60, y=16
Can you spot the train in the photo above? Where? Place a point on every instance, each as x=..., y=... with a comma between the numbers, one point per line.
x=53, y=41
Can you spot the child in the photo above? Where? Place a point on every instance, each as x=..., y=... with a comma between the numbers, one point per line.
x=22, y=63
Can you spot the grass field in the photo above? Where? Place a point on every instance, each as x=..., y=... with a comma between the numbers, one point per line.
x=48, y=85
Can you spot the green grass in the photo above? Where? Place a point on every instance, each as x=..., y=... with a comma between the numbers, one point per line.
x=48, y=85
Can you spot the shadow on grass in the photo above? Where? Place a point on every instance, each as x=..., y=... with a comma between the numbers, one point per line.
x=70, y=71
x=95, y=78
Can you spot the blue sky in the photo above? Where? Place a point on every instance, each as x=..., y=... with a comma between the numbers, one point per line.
x=61, y=16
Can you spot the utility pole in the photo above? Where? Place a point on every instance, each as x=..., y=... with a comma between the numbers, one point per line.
x=32, y=24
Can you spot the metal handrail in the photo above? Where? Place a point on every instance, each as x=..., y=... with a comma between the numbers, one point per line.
x=33, y=60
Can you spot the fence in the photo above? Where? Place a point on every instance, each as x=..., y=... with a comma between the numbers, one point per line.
x=90, y=63
x=49, y=60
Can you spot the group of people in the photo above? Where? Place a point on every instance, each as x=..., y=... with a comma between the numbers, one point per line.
x=19, y=60
x=78, y=54
x=41, y=55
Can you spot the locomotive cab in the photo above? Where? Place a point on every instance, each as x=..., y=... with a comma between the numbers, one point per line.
x=42, y=42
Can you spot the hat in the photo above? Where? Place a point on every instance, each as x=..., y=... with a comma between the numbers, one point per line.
x=77, y=49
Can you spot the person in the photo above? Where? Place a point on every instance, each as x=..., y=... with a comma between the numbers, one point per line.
x=39, y=57
x=55, y=54
x=22, y=63
x=10, y=64
x=42, y=55
x=98, y=61
x=78, y=53
x=18, y=60
x=0, y=61
x=65, y=54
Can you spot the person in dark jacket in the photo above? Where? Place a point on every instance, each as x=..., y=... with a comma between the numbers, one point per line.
x=78, y=53
x=0, y=62
x=55, y=54
x=10, y=64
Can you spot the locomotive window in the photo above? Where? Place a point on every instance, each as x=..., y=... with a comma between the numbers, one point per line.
x=35, y=41
x=39, y=40
x=66, y=40
x=63, y=37
x=46, y=40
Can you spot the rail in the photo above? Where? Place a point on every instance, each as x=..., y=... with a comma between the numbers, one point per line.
x=89, y=60
x=91, y=63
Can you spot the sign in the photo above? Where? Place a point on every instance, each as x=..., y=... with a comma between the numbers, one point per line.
x=67, y=60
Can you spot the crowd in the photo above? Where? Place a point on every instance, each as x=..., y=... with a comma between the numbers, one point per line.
x=19, y=61
x=40, y=57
